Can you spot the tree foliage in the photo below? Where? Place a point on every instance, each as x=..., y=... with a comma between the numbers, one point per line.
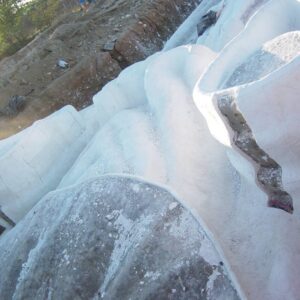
x=20, y=22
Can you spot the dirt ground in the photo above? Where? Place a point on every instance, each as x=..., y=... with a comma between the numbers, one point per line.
x=97, y=45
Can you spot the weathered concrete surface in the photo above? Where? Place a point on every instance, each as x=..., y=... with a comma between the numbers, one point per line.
x=111, y=238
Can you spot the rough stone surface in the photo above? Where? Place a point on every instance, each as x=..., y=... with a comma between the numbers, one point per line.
x=153, y=27
x=111, y=238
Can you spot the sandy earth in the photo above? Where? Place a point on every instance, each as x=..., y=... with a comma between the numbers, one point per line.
x=97, y=45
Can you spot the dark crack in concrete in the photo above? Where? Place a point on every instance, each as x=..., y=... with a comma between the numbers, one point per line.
x=268, y=171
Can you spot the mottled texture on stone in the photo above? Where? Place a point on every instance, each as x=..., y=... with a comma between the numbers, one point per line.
x=111, y=238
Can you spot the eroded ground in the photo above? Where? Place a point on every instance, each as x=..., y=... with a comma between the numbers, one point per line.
x=97, y=45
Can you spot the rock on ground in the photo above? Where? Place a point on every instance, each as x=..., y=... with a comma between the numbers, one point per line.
x=111, y=238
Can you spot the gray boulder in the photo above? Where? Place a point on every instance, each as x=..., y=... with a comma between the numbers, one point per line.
x=111, y=238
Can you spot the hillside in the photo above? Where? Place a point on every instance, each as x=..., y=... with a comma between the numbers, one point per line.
x=96, y=45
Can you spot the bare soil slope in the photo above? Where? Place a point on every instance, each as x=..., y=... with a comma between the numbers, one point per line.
x=97, y=45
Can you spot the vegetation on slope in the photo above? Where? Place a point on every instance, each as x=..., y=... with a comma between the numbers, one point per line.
x=21, y=21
